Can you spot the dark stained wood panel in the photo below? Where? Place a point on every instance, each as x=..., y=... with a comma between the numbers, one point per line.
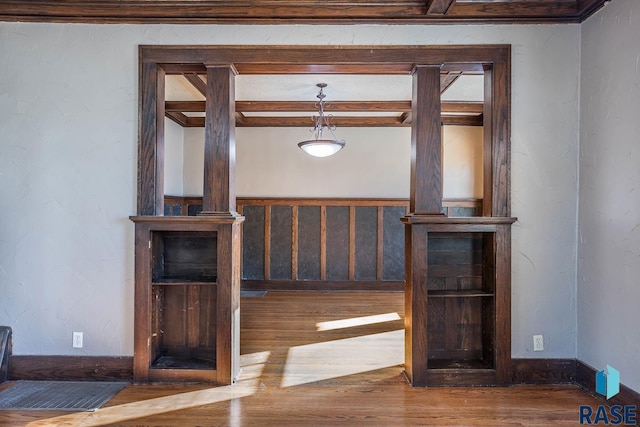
x=184, y=256
x=337, y=242
x=439, y=7
x=393, y=243
x=366, y=242
x=253, y=242
x=308, y=12
x=426, y=143
x=309, y=243
x=281, y=242
x=219, y=141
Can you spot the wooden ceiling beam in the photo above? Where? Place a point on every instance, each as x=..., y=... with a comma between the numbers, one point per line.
x=335, y=106
x=284, y=68
x=294, y=11
x=404, y=120
x=197, y=82
x=439, y=7
x=331, y=106
x=177, y=117
x=462, y=107
x=446, y=80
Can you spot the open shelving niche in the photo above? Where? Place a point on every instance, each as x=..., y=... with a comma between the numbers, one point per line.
x=184, y=280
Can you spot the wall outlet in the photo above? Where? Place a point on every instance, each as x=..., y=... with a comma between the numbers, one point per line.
x=538, y=343
x=77, y=340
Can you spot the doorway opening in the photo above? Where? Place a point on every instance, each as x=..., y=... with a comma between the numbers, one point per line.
x=321, y=243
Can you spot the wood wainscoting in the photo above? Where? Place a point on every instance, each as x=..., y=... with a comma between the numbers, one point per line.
x=322, y=243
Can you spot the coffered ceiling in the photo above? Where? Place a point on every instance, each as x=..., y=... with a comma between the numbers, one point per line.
x=352, y=100
x=299, y=11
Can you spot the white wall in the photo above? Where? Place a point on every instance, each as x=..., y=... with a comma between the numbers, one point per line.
x=68, y=135
x=374, y=163
x=609, y=241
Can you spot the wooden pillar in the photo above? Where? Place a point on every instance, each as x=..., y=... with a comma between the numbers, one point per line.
x=219, y=196
x=151, y=141
x=496, y=146
x=426, y=143
x=425, y=201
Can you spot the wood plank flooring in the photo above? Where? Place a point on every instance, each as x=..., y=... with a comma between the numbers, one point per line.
x=323, y=359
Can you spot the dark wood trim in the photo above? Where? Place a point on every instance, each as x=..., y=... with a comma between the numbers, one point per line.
x=331, y=107
x=439, y=7
x=71, y=368
x=294, y=242
x=472, y=113
x=323, y=242
x=120, y=368
x=352, y=242
x=151, y=140
x=219, y=149
x=267, y=242
x=543, y=371
x=426, y=142
x=295, y=12
x=379, y=242
x=198, y=83
x=322, y=285
x=324, y=59
x=342, y=121
x=586, y=378
x=6, y=348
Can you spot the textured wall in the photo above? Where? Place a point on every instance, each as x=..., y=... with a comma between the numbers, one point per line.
x=68, y=131
x=609, y=210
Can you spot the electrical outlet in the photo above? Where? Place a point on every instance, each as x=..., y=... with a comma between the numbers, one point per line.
x=77, y=340
x=538, y=343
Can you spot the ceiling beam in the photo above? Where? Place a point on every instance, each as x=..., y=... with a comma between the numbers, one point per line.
x=446, y=80
x=291, y=106
x=439, y=7
x=335, y=106
x=295, y=11
x=197, y=82
x=361, y=121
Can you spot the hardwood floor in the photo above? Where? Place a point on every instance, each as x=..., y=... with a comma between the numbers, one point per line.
x=323, y=359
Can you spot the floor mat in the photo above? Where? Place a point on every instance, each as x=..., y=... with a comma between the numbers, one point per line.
x=58, y=395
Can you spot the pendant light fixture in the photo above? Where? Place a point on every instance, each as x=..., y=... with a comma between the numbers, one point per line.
x=319, y=147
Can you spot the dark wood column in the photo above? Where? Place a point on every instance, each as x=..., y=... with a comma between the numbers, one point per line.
x=151, y=141
x=219, y=196
x=426, y=143
x=496, y=147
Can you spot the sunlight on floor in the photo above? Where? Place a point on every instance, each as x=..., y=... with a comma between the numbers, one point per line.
x=252, y=366
x=357, y=321
x=321, y=361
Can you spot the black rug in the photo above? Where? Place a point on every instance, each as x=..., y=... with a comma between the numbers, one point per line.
x=58, y=395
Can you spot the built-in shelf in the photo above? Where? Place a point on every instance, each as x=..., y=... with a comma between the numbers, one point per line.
x=176, y=362
x=184, y=329
x=458, y=364
x=471, y=293
x=179, y=282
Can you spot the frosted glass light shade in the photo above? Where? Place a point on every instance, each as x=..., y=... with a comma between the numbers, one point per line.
x=321, y=147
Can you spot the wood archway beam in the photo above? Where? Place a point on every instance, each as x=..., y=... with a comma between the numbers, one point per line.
x=454, y=113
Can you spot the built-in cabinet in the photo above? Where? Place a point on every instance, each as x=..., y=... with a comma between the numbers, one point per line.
x=457, y=270
x=187, y=299
x=460, y=310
